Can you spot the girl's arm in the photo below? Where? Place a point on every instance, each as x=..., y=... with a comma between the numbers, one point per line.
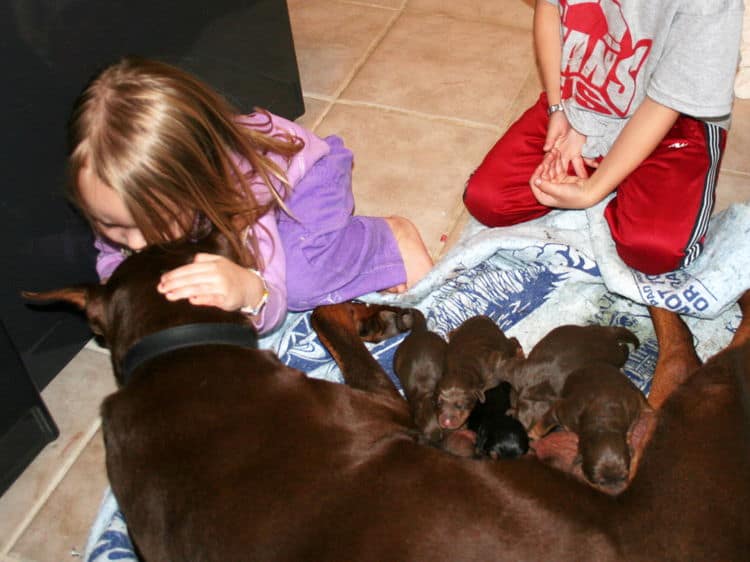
x=213, y=280
x=643, y=132
x=274, y=274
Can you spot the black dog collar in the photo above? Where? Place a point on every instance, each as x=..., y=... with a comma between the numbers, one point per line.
x=187, y=335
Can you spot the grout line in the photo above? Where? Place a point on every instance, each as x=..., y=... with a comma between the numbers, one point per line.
x=51, y=487
x=357, y=66
x=733, y=172
x=422, y=115
x=366, y=55
x=371, y=5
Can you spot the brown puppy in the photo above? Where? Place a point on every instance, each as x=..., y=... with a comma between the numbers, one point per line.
x=538, y=379
x=220, y=452
x=418, y=364
x=474, y=350
x=600, y=405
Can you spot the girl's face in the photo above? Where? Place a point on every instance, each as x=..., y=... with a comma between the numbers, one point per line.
x=109, y=214
x=107, y=210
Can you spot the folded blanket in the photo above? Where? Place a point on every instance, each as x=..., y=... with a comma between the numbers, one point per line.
x=530, y=278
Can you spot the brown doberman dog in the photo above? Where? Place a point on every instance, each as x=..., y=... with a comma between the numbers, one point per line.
x=217, y=451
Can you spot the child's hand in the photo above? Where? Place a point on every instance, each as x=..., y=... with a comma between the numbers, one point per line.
x=570, y=147
x=213, y=280
x=557, y=127
x=554, y=187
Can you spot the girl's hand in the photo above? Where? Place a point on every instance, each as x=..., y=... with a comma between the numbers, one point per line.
x=212, y=280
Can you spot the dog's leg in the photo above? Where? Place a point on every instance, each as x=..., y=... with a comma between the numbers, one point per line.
x=677, y=358
x=337, y=328
x=742, y=334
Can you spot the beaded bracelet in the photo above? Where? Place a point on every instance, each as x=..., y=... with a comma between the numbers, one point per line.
x=254, y=310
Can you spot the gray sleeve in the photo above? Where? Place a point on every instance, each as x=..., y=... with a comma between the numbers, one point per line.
x=696, y=72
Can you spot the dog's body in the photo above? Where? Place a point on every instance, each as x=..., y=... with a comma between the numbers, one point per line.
x=538, y=379
x=418, y=364
x=499, y=436
x=220, y=453
x=474, y=348
x=600, y=405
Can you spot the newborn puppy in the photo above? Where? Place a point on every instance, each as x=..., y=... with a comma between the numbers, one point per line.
x=499, y=436
x=475, y=348
x=538, y=379
x=418, y=364
x=601, y=405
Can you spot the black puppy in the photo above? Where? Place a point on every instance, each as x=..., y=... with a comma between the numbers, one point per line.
x=499, y=436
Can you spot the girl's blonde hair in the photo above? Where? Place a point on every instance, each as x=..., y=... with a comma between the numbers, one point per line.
x=164, y=141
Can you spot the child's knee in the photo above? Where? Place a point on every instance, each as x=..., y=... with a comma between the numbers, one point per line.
x=494, y=201
x=481, y=198
x=652, y=256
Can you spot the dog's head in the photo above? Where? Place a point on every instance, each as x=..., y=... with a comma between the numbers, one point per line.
x=129, y=307
x=454, y=404
x=605, y=458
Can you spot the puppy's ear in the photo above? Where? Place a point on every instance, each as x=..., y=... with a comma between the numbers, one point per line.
x=519, y=350
x=405, y=319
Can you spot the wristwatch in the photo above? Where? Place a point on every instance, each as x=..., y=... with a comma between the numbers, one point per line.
x=556, y=107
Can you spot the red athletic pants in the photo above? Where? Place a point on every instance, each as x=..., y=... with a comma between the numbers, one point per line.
x=660, y=215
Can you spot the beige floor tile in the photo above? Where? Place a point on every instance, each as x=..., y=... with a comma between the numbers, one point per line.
x=63, y=523
x=409, y=166
x=738, y=141
x=314, y=110
x=444, y=66
x=732, y=188
x=527, y=97
x=332, y=38
x=515, y=13
x=73, y=399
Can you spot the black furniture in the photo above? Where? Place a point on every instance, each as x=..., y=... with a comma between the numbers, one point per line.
x=48, y=51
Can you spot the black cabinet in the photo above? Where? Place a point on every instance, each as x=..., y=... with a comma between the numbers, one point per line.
x=48, y=51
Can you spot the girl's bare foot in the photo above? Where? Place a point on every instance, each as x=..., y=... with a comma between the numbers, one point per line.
x=417, y=260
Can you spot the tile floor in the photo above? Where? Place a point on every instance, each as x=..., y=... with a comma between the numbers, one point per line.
x=419, y=90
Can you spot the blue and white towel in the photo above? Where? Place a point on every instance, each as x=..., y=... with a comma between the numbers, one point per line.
x=559, y=269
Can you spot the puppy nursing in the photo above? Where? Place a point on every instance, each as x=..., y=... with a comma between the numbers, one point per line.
x=601, y=405
x=475, y=348
x=538, y=379
x=499, y=436
x=418, y=364
x=572, y=379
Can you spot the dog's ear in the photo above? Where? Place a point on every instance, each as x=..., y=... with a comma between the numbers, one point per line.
x=88, y=298
x=519, y=350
